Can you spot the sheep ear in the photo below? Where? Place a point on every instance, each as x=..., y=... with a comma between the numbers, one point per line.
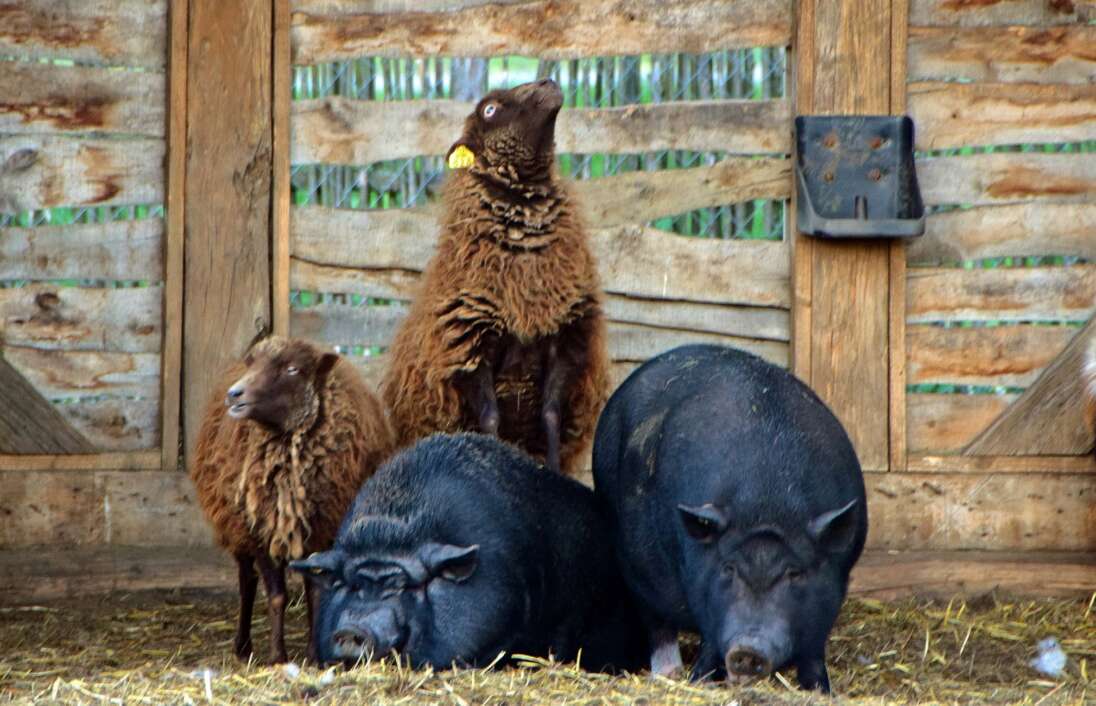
x=327, y=362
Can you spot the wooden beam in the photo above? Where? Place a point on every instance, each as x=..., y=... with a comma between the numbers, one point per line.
x=962, y=13
x=1011, y=355
x=283, y=78
x=898, y=443
x=549, y=29
x=228, y=194
x=171, y=365
x=1007, y=177
x=29, y=424
x=87, y=374
x=127, y=250
x=927, y=463
x=113, y=461
x=944, y=423
x=1048, y=418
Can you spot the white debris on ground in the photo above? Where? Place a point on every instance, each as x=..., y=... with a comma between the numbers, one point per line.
x=1051, y=660
x=292, y=670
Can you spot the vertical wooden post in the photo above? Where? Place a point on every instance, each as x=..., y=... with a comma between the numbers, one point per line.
x=228, y=195
x=281, y=205
x=900, y=18
x=842, y=305
x=172, y=357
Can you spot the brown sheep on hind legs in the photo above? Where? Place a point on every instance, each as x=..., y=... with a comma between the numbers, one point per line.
x=506, y=334
x=285, y=444
x=1088, y=389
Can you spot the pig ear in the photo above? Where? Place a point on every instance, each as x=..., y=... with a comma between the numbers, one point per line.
x=320, y=566
x=835, y=529
x=704, y=522
x=451, y=562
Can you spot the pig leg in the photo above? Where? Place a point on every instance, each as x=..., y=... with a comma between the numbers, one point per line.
x=274, y=581
x=812, y=674
x=708, y=665
x=665, y=653
x=555, y=378
x=249, y=581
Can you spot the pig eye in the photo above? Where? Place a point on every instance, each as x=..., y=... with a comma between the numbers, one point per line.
x=489, y=110
x=729, y=570
x=793, y=574
x=292, y=370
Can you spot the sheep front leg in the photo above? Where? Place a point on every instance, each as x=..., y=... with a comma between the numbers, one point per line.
x=555, y=378
x=274, y=581
x=249, y=581
x=480, y=388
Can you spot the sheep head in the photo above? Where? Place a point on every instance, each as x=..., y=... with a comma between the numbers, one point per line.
x=512, y=132
x=281, y=387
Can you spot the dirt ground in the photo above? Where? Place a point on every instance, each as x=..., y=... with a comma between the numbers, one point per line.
x=175, y=647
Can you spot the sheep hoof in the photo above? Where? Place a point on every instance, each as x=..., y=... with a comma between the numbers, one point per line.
x=243, y=649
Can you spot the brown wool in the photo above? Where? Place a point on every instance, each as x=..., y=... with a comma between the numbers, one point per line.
x=512, y=259
x=284, y=493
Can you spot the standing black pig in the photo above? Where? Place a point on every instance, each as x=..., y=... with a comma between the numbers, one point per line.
x=738, y=508
x=460, y=548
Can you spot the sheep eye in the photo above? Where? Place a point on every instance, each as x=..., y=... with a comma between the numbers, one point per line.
x=292, y=370
x=489, y=110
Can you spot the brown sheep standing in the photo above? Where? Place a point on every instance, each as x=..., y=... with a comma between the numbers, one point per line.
x=506, y=335
x=280, y=456
x=1088, y=384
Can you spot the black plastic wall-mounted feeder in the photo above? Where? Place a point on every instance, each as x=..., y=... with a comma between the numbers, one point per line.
x=855, y=177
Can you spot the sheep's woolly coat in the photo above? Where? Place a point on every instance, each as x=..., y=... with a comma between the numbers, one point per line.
x=1088, y=384
x=284, y=494
x=515, y=268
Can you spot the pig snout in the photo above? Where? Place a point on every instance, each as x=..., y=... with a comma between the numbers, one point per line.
x=747, y=662
x=364, y=637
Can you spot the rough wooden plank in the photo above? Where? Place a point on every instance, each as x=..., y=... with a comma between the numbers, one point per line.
x=116, y=32
x=889, y=576
x=928, y=463
x=340, y=130
x=1062, y=54
x=635, y=343
x=106, y=460
x=343, y=7
x=129, y=250
x=171, y=363
x=379, y=253
x=945, y=423
x=279, y=257
x=1049, y=417
x=76, y=318
x=146, y=508
x=958, y=114
x=345, y=325
x=896, y=315
x=29, y=424
x=996, y=13
x=82, y=374
x=227, y=203
x=976, y=511
x=45, y=171
x=116, y=425
x=552, y=29
x=1001, y=294
x=1014, y=230
x=1001, y=178
x=849, y=301
x=637, y=197
x=1009, y=356
x=46, y=98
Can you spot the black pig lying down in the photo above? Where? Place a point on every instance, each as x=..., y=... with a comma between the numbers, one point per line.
x=738, y=509
x=462, y=547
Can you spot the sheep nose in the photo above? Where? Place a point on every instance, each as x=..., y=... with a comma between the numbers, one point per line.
x=235, y=392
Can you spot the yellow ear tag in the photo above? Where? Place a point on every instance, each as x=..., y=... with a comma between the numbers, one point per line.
x=461, y=158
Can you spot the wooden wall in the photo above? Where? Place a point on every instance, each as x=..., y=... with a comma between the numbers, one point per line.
x=999, y=473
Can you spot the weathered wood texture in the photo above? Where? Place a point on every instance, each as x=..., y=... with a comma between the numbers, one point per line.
x=45, y=98
x=551, y=29
x=1048, y=418
x=1013, y=230
x=1001, y=294
x=1002, y=178
x=129, y=250
x=80, y=508
x=988, y=512
x=1064, y=54
x=77, y=318
x=958, y=114
x=997, y=14
x=380, y=253
x=945, y=423
x=344, y=131
x=116, y=424
x=228, y=180
x=280, y=205
x=29, y=423
x=31, y=576
x=1009, y=356
x=934, y=463
x=86, y=31
x=46, y=171
x=847, y=299
x=85, y=374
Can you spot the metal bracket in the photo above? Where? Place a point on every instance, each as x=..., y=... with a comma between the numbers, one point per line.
x=855, y=177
